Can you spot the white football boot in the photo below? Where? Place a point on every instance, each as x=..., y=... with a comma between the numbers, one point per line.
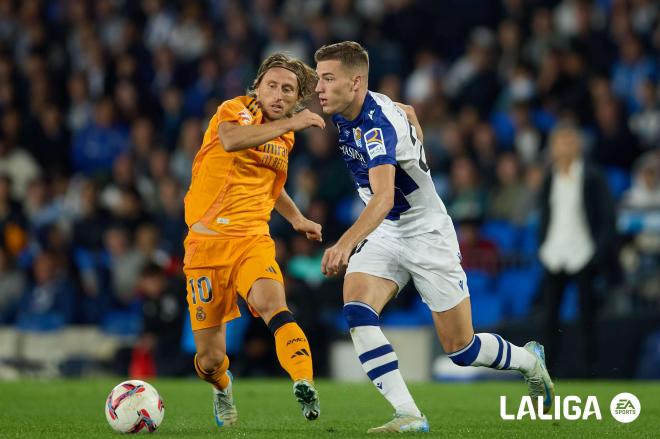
x=308, y=397
x=403, y=424
x=223, y=405
x=538, y=380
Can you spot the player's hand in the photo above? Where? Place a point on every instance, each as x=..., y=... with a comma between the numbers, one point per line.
x=335, y=259
x=306, y=119
x=412, y=118
x=311, y=229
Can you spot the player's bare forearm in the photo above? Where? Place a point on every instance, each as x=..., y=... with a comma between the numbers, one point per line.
x=286, y=207
x=370, y=218
x=381, y=180
x=236, y=137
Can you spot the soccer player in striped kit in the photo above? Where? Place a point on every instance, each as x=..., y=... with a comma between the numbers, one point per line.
x=403, y=233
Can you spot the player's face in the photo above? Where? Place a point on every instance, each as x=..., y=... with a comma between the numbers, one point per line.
x=277, y=93
x=336, y=88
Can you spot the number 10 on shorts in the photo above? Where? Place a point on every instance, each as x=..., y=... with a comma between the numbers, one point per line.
x=201, y=289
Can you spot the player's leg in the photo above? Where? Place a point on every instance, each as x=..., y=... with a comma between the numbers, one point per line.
x=267, y=298
x=211, y=361
x=212, y=365
x=364, y=298
x=465, y=348
x=211, y=303
x=373, y=277
x=442, y=283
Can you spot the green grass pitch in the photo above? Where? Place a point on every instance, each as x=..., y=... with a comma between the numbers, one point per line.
x=74, y=409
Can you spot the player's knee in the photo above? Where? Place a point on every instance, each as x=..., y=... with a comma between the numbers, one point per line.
x=269, y=310
x=267, y=301
x=210, y=359
x=360, y=314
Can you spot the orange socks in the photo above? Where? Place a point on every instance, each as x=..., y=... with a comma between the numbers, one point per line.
x=291, y=345
x=217, y=377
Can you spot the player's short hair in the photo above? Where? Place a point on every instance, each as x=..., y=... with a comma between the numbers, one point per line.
x=349, y=53
x=306, y=76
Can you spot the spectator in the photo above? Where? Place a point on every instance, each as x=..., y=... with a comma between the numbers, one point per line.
x=80, y=108
x=542, y=39
x=646, y=123
x=170, y=216
x=49, y=141
x=189, y=142
x=12, y=285
x=505, y=201
x=95, y=147
x=468, y=200
x=477, y=252
x=124, y=263
x=187, y=39
x=576, y=235
x=645, y=191
x=48, y=303
x=13, y=234
x=614, y=144
x=159, y=23
x=631, y=70
x=15, y=161
x=163, y=308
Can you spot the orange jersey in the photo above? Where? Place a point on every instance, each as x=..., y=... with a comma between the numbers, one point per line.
x=234, y=193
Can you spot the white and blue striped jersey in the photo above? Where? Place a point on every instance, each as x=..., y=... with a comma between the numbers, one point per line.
x=381, y=134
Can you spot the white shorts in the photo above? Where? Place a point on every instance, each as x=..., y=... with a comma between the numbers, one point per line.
x=432, y=260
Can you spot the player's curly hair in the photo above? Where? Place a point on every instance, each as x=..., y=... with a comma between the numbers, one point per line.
x=307, y=77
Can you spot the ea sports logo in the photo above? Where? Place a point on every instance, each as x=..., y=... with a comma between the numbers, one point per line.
x=625, y=407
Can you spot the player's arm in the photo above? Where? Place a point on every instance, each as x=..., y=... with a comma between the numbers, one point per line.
x=412, y=118
x=381, y=180
x=285, y=206
x=235, y=137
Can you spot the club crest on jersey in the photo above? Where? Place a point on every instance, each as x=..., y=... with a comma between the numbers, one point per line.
x=245, y=117
x=375, y=143
x=357, y=135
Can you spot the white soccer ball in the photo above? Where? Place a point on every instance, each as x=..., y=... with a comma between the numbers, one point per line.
x=134, y=406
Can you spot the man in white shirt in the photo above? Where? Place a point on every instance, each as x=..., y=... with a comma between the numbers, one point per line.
x=576, y=235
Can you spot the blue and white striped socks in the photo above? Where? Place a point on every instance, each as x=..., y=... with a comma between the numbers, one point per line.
x=490, y=350
x=378, y=358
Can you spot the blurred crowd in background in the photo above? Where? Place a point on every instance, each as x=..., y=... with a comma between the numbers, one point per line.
x=103, y=105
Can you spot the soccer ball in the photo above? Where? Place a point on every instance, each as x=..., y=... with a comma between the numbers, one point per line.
x=134, y=406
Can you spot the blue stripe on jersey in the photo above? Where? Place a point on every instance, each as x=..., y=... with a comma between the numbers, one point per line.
x=404, y=185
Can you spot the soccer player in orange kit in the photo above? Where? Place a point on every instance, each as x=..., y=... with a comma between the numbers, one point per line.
x=238, y=177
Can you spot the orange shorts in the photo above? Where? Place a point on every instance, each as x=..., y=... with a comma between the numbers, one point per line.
x=218, y=269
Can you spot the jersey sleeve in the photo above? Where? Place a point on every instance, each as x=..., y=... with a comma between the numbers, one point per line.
x=380, y=141
x=235, y=111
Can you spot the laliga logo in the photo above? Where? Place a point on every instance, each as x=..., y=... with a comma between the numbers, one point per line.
x=569, y=408
x=625, y=408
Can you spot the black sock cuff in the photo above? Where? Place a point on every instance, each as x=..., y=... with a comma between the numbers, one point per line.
x=280, y=319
